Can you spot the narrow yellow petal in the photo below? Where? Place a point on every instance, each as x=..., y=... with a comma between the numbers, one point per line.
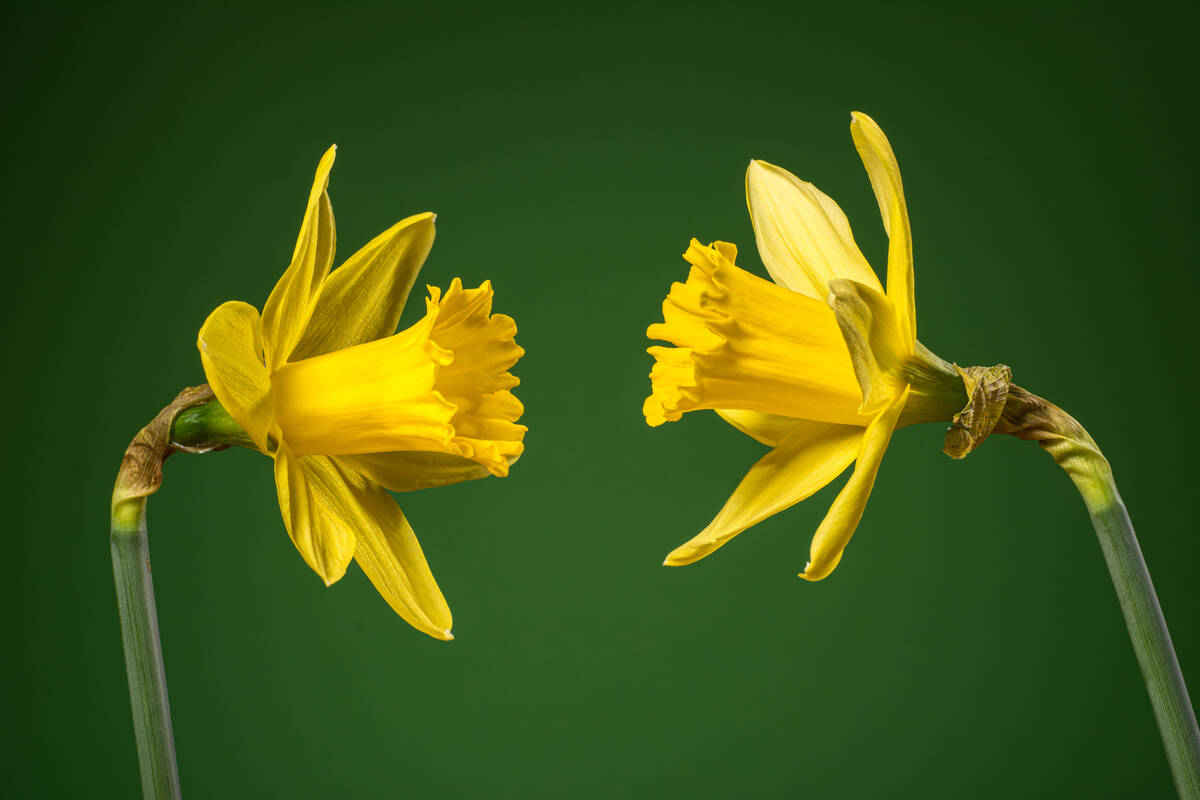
x=230, y=343
x=287, y=310
x=319, y=510
x=838, y=526
x=806, y=460
x=391, y=558
x=414, y=469
x=872, y=334
x=884, y=172
x=362, y=299
x=769, y=429
x=804, y=239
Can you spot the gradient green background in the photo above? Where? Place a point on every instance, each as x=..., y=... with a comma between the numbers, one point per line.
x=969, y=645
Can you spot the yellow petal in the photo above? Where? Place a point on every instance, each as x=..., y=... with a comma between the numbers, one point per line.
x=838, y=526
x=362, y=299
x=872, y=335
x=804, y=239
x=230, y=343
x=287, y=310
x=319, y=510
x=884, y=172
x=391, y=558
x=414, y=469
x=769, y=429
x=806, y=460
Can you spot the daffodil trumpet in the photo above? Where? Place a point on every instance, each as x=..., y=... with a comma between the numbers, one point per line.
x=348, y=410
x=822, y=364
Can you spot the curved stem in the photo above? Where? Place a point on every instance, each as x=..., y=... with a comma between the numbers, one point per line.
x=1030, y=417
x=139, y=477
x=143, y=652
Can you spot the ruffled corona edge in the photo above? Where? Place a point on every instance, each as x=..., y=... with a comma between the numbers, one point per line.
x=476, y=380
x=742, y=342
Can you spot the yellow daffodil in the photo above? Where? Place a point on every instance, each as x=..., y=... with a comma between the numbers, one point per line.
x=349, y=409
x=821, y=365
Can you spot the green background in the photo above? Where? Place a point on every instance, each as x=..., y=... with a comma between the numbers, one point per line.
x=969, y=645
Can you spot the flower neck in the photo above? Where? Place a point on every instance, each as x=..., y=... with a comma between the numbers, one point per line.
x=937, y=389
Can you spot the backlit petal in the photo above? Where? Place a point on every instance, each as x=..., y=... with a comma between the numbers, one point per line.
x=871, y=331
x=838, y=526
x=362, y=299
x=884, y=172
x=230, y=343
x=769, y=429
x=808, y=459
x=319, y=510
x=290, y=305
x=804, y=239
x=391, y=558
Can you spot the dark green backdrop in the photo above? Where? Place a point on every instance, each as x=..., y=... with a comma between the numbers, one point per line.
x=969, y=645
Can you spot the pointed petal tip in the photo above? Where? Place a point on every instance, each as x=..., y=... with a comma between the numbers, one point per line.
x=673, y=559
x=682, y=556
x=330, y=581
x=810, y=578
x=439, y=634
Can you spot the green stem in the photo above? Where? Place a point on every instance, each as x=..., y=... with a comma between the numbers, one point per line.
x=139, y=477
x=1148, y=632
x=143, y=651
x=1030, y=417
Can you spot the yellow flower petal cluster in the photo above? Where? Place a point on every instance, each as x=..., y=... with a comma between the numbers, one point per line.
x=349, y=409
x=821, y=365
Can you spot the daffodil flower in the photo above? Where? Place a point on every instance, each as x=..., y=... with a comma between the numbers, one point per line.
x=821, y=365
x=348, y=409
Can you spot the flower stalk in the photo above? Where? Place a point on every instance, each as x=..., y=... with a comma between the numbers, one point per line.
x=1029, y=417
x=143, y=653
x=139, y=477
